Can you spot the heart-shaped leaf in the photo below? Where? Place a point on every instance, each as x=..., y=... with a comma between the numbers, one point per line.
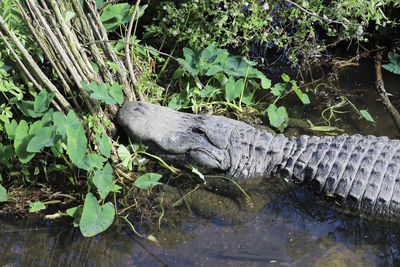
x=147, y=180
x=95, y=218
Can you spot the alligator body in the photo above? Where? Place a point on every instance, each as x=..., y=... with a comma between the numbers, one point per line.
x=363, y=171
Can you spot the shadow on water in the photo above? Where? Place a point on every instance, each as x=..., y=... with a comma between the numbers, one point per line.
x=283, y=227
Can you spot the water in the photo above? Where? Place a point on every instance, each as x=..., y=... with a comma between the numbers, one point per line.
x=292, y=228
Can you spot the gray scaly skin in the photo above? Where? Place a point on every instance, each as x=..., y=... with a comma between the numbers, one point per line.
x=362, y=170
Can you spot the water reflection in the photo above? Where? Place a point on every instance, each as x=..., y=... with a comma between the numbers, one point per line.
x=294, y=229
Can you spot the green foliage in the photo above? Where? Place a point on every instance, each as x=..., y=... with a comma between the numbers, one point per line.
x=95, y=218
x=394, y=65
x=225, y=76
x=365, y=114
x=282, y=26
x=109, y=94
x=278, y=117
x=115, y=15
x=103, y=180
x=36, y=206
x=3, y=194
x=147, y=180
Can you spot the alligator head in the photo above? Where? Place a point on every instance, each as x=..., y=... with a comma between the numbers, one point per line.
x=181, y=138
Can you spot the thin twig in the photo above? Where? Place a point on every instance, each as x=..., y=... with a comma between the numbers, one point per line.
x=380, y=88
x=127, y=50
x=323, y=18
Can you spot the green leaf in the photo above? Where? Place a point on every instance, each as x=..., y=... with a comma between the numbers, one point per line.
x=95, y=218
x=42, y=101
x=233, y=89
x=116, y=92
x=3, y=194
x=125, y=157
x=45, y=137
x=21, y=141
x=68, y=15
x=114, y=15
x=180, y=72
x=147, y=180
x=10, y=129
x=6, y=152
x=394, y=65
x=285, y=77
x=76, y=213
x=99, y=92
x=196, y=171
x=278, y=117
x=60, y=125
x=265, y=82
x=28, y=109
x=77, y=144
x=214, y=69
x=103, y=180
x=278, y=88
x=91, y=161
x=36, y=206
x=104, y=145
x=366, y=115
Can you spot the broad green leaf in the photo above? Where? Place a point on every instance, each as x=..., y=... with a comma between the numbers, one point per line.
x=104, y=145
x=42, y=101
x=394, y=65
x=116, y=92
x=28, y=109
x=265, y=82
x=214, y=69
x=10, y=129
x=366, y=115
x=233, y=89
x=72, y=120
x=68, y=15
x=95, y=218
x=3, y=194
x=114, y=15
x=278, y=117
x=125, y=157
x=221, y=78
x=247, y=97
x=6, y=152
x=209, y=52
x=278, y=88
x=91, y=161
x=21, y=141
x=99, y=92
x=60, y=125
x=47, y=118
x=76, y=213
x=103, y=180
x=77, y=144
x=147, y=180
x=180, y=72
x=36, y=206
x=45, y=137
x=190, y=65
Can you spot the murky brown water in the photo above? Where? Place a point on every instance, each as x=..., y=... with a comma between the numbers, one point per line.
x=293, y=229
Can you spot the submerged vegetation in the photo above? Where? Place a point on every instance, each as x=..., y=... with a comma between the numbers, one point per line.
x=66, y=68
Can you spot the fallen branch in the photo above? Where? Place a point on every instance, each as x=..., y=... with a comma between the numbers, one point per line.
x=380, y=88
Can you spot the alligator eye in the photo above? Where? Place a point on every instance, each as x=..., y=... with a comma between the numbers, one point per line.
x=198, y=130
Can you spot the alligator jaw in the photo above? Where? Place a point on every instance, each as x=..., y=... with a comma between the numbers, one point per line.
x=181, y=138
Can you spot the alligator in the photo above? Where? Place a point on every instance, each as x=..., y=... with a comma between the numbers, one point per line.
x=360, y=171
